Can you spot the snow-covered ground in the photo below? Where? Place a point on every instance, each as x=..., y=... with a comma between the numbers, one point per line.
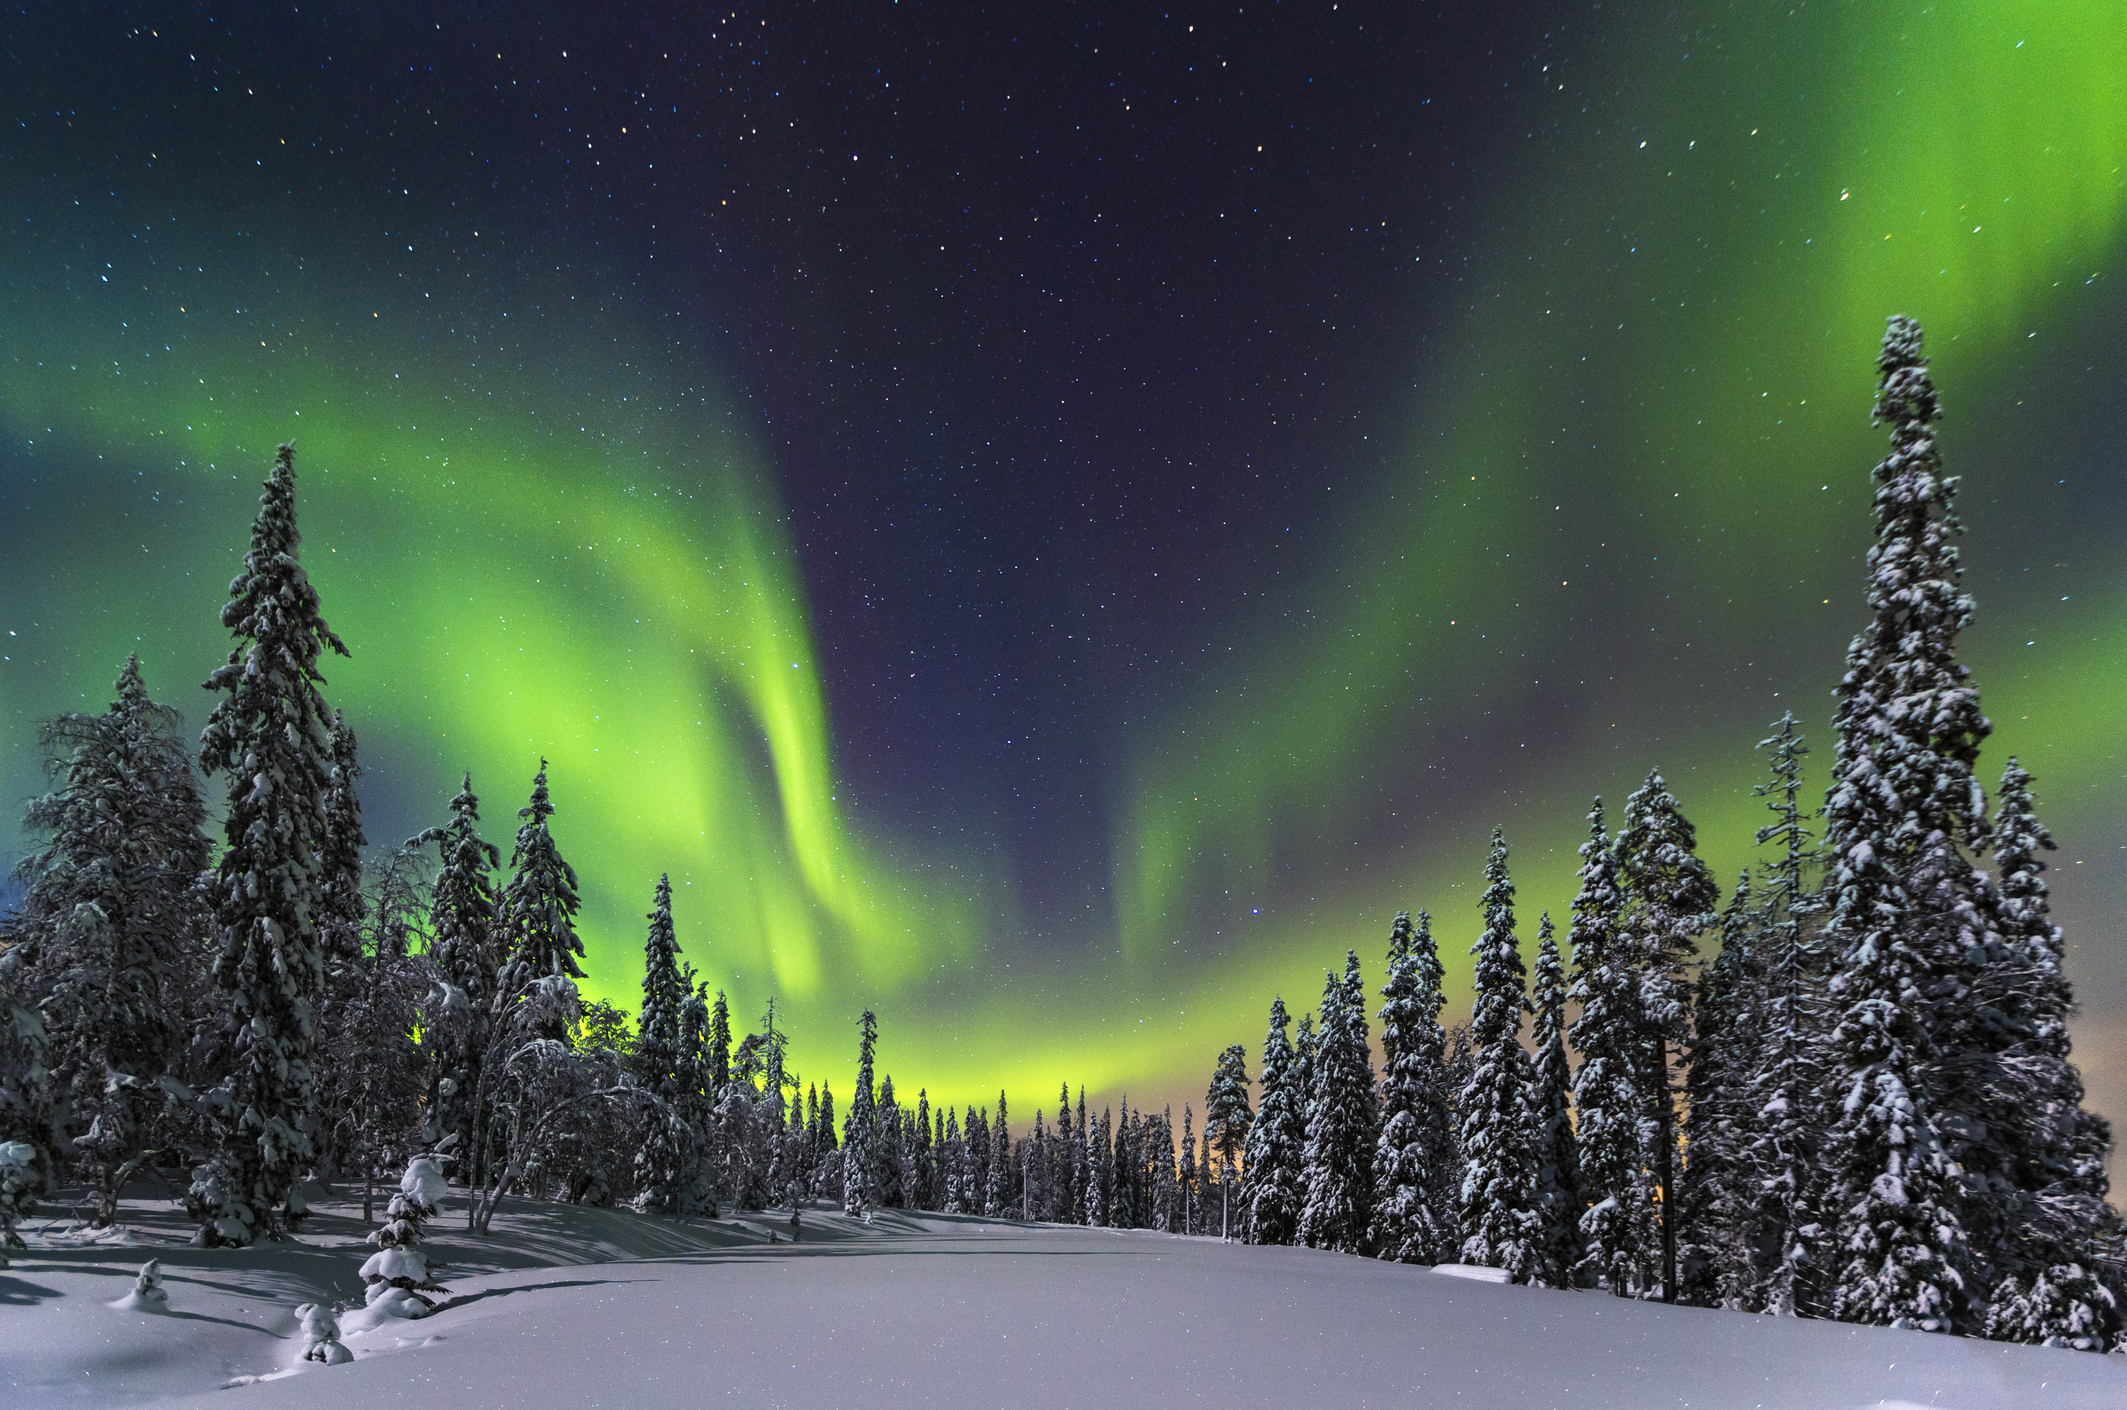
x=588, y=1308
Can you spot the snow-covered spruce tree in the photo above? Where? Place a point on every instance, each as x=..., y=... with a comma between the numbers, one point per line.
x=1273, y=1187
x=397, y=1274
x=1670, y=898
x=1786, y=1087
x=1499, y=1217
x=1559, y=1204
x=1343, y=1122
x=2066, y=1306
x=952, y=1161
x=272, y=736
x=1415, y=1187
x=997, y=1184
x=374, y=1063
x=1191, y=1191
x=467, y=955
x=661, y=1153
x=1718, y=1192
x=342, y=909
x=112, y=915
x=886, y=1153
x=1901, y=913
x=1227, y=1117
x=923, y=1163
x=1125, y=1209
x=536, y=922
x=697, y=1109
x=2050, y=1195
x=1609, y=1086
x=1033, y=1175
x=1166, y=1186
x=1100, y=1175
x=857, y=1195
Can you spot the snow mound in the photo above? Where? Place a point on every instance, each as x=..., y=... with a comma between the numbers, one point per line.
x=1475, y=1272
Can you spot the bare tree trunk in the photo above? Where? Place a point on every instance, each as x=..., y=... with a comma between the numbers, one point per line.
x=1664, y=1162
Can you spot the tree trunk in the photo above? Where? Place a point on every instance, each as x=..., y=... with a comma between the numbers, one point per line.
x=1664, y=1160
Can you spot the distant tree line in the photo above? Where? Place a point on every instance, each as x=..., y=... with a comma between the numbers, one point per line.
x=1862, y=1107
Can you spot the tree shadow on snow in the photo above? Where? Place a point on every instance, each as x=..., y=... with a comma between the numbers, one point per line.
x=20, y=1292
x=451, y=1304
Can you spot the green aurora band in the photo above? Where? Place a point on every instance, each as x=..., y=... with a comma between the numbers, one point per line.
x=539, y=539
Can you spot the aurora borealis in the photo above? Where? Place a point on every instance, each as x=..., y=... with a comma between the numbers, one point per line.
x=1056, y=527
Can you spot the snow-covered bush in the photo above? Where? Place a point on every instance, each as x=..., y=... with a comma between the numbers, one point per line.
x=398, y=1272
x=148, y=1294
x=321, y=1335
x=216, y=1203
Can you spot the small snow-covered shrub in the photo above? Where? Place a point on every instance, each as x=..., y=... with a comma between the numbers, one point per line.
x=321, y=1335
x=148, y=1294
x=216, y=1204
x=398, y=1272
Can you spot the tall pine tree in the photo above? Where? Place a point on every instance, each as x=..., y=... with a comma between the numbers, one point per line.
x=857, y=1129
x=468, y=958
x=2048, y=1196
x=1609, y=1088
x=536, y=922
x=1901, y=914
x=272, y=736
x=1272, y=1187
x=661, y=1158
x=1499, y=1217
x=1786, y=1079
x=1227, y=1117
x=111, y=923
x=1559, y=1205
x=1669, y=900
x=1343, y=1122
x=1415, y=1153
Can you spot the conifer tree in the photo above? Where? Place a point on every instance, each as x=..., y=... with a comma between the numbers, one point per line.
x=2066, y=1305
x=341, y=911
x=1192, y=1196
x=467, y=954
x=1718, y=1191
x=272, y=736
x=1227, y=1118
x=1786, y=1078
x=1670, y=898
x=377, y=1067
x=1413, y=1161
x=1342, y=1122
x=2048, y=1197
x=923, y=1195
x=997, y=1190
x=696, y=1106
x=111, y=919
x=857, y=1194
x=536, y=922
x=1559, y=1205
x=1273, y=1187
x=1900, y=895
x=1499, y=1218
x=1100, y=1175
x=954, y=1159
x=661, y=1158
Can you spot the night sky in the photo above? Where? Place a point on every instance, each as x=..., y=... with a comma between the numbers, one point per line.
x=1054, y=521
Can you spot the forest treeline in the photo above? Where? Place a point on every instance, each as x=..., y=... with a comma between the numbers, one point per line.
x=1862, y=1107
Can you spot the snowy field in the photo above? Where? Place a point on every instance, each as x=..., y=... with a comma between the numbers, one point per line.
x=597, y=1308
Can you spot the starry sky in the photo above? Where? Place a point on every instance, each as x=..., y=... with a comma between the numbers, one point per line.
x=1053, y=522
